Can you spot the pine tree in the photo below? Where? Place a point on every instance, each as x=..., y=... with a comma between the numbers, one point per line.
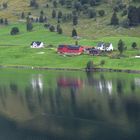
x=75, y=20
x=74, y=32
x=53, y=14
x=22, y=15
x=121, y=46
x=114, y=19
x=29, y=25
x=6, y=21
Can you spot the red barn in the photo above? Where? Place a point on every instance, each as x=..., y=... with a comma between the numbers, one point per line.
x=70, y=49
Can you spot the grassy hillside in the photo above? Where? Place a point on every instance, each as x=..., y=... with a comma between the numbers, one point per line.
x=86, y=28
x=15, y=50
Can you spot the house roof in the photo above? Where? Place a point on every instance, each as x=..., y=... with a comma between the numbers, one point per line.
x=100, y=44
x=107, y=44
x=72, y=47
x=36, y=43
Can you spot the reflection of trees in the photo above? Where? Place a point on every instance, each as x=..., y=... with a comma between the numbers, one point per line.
x=2, y=96
x=31, y=103
x=73, y=101
x=90, y=78
x=120, y=87
x=58, y=100
x=51, y=100
x=133, y=87
x=132, y=108
x=14, y=88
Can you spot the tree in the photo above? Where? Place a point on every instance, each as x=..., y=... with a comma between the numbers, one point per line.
x=101, y=13
x=91, y=13
x=75, y=20
x=62, y=2
x=59, y=14
x=5, y=5
x=32, y=3
x=89, y=66
x=74, y=32
x=5, y=21
x=53, y=14
x=59, y=30
x=1, y=21
x=68, y=3
x=41, y=18
x=78, y=6
x=29, y=25
x=121, y=46
x=52, y=28
x=55, y=4
x=133, y=16
x=22, y=15
x=14, y=31
x=41, y=12
x=114, y=19
x=102, y=62
x=134, y=45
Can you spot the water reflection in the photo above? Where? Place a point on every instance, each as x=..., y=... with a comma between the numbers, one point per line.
x=37, y=83
x=83, y=106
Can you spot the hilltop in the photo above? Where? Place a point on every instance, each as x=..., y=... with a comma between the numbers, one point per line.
x=92, y=28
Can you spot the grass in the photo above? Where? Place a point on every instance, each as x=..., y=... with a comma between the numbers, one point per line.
x=15, y=50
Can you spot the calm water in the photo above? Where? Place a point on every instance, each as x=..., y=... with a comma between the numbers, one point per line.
x=59, y=105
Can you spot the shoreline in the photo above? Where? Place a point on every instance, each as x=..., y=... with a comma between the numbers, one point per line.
x=72, y=69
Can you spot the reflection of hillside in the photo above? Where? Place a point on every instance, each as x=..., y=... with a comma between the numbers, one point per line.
x=102, y=85
x=82, y=113
x=57, y=114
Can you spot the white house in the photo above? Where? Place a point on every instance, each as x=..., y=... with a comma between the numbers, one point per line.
x=108, y=46
x=100, y=46
x=104, y=46
x=37, y=44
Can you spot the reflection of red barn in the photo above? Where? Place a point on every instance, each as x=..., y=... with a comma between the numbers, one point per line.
x=66, y=82
x=70, y=49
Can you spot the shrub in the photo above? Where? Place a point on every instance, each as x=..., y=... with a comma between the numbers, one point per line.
x=124, y=13
x=134, y=45
x=121, y=46
x=89, y=66
x=101, y=13
x=14, y=31
x=102, y=62
x=52, y=28
x=74, y=32
x=114, y=19
x=5, y=5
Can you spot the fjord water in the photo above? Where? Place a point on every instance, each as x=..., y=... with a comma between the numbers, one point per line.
x=68, y=105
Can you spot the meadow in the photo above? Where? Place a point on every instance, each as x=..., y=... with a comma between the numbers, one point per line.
x=15, y=49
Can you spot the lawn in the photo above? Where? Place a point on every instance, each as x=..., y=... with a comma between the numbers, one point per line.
x=15, y=50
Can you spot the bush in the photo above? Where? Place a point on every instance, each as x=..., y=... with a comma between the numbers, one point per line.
x=124, y=13
x=134, y=45
x=52, y=28
x=101, y=13
x=14, y=31
x=102, y=62
x=74, y=32
x=89, y=66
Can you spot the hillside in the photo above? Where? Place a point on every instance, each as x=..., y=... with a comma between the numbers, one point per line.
x=92, y=28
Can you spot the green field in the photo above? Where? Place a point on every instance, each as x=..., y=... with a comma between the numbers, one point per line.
x=15, y=50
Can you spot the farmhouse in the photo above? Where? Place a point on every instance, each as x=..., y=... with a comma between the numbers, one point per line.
x=104, y=46
x=37, y=44
x=91, y=50
x=70, y=49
